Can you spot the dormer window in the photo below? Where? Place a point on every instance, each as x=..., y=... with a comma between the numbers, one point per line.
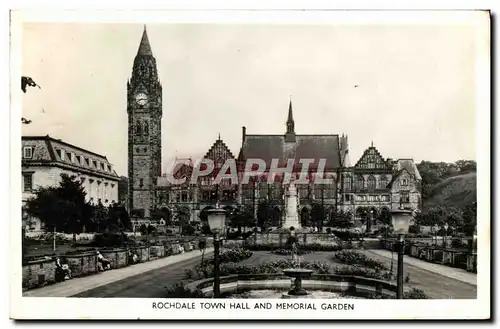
x=95, y=163
x=102, y=166
x=109, y=168
x=28, y=152
x=404, y=182
x=63, y=154
x=79, y=159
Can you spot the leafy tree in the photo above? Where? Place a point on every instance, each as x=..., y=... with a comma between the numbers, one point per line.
x=266, y=212
x=340, y=219
x=118, y=218
x=99, y=218
x=384, y=216
x=317, y=214
x=63, y=207
x=242, y=217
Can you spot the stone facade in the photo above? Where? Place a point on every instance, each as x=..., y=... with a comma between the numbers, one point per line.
x=144, y=108
x=44, y=159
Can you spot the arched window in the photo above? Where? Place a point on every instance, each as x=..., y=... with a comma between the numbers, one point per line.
x=146, y=128
x=138, y=129
x=371, y=183
x=360, y=183
x=383, y=182
x=348, y=182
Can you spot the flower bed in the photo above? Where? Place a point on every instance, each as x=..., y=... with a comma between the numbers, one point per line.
x=278, y=266
x=230, y=256
x=352, y=257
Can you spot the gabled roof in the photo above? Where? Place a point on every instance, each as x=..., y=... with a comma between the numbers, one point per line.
x=410, y=166
x=396, y=175
x=372, y=159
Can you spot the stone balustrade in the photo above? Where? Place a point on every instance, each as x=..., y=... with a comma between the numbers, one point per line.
x=460, y=258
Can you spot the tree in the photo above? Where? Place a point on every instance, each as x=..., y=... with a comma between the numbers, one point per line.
x=242, y=217
x=317, y=214
x=63, y=207
x=384, y=216
x=118, y=218
x=264, y=214
x=340, y=219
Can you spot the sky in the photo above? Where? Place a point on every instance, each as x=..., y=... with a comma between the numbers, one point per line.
x=414, y=97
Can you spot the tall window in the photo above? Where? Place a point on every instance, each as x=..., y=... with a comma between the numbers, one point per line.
x=27, y=152
x=383, y=182
x=141, y=182
x=28, y=182
x=348, y=182
x=371, y=183
x=405, y=197
x=360, y=183
x=404, y=182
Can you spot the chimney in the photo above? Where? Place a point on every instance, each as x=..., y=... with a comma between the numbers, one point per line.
x=243, y=134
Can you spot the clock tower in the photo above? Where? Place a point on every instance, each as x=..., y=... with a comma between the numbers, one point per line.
x=144, y=108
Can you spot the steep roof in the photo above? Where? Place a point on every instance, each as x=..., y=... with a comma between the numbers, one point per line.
x=372, y=159
x=410, y=166
x=144, y=46
x=316, y=147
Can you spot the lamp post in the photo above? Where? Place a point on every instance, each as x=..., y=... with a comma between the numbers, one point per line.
x=436, y=227
x=401, y=222
x=445, y=236
x=216, y=221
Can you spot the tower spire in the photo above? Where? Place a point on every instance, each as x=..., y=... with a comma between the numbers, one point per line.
x=145, y=47
x=290, y=124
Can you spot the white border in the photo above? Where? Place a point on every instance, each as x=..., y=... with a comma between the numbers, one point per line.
x=56, y=308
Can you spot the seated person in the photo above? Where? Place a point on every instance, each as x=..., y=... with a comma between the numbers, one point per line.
x=63, y=271
x=104, y=264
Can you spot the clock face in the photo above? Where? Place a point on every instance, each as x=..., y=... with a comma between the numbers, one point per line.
x=141, y=99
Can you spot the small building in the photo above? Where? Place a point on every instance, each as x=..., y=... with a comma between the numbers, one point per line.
x=44, y=159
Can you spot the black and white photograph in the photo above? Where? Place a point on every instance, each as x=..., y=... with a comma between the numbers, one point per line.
x=287, y=165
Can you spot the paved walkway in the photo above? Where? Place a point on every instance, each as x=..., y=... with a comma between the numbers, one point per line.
x=450, y=272
x=78, y=285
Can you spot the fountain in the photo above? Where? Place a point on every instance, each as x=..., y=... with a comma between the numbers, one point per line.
x=297, y=274
x=291, y=217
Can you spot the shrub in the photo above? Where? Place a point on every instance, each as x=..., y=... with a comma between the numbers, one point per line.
x=352, y=257
x=415, y=229
x=288, y=251
x=112, y=240
x=363, y=271
x=188, y=229
x=180, y=291
x=230, y=256
x=415, y=294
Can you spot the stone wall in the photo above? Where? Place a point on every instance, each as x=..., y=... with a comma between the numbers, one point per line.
x=38, y=273
x=82, y=264
x=303, y=238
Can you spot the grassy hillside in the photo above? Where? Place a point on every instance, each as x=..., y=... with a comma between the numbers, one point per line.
x=453, y=191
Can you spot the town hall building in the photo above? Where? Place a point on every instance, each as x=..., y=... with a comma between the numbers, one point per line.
x=372, y=185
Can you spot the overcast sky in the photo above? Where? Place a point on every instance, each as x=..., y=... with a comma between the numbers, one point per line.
x=415, y=94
